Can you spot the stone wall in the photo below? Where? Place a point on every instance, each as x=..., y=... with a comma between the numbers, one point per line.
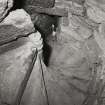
x=77, y=48
x=75, y=74
x=18, y=42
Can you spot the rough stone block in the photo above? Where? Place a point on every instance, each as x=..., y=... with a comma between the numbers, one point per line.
x=41, y=3
x=96, y=10
x=15, y=25
x=69, y=71
x=77, y=9
x=15, y=59
x=77, y=28
x=98, y=3
x=5, y=6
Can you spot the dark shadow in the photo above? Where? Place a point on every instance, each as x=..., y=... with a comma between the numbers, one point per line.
x=18, y=4
x=46, y=53
x=47, y=49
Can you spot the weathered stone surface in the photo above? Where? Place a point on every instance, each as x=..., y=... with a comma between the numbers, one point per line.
x=79, y=1
x=79, y=45
x=49, y=11
x=41, y=3
x=35, y=93
x=77, y=9
x=90, y=22
x=95, y=10
x=100, y=36
x=99, y=3
x=72, y=7
x=76, y=28
x=16, y=24
x=96, y=14
x=67, y=1
x=15, y=59
x=73, y=55
x=19, y=19
x=69, y=71
x=5, y=6
x=80, y=27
